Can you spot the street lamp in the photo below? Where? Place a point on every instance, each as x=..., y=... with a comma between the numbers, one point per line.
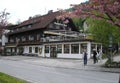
x=110, y=47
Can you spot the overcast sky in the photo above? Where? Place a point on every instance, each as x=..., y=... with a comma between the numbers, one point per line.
x=23, y=9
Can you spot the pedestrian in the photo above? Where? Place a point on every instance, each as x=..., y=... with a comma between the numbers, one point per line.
x=95, y=56
x=85, y=58
x=100, y=55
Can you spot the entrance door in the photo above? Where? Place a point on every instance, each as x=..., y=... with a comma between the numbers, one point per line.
x=53, y=52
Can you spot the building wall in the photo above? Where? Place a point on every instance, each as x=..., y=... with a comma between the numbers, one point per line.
x=71, y=55
x=39, y=53
x=41, y=50
x=60, y=51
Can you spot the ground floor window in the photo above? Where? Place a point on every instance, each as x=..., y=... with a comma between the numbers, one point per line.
x=46, y=48
x=30, y=49
x=59, y=48
x=36, y=49
x=66, y=48
x=75, y=48
x=8, y=50
x=83, y=47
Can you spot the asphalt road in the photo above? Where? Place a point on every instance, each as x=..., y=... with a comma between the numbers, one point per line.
x=36, y=73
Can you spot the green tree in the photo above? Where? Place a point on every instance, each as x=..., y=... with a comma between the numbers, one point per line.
x=79, y=23
x=102, y=30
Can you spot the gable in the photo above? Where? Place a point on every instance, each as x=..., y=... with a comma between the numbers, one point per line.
x=66, y=24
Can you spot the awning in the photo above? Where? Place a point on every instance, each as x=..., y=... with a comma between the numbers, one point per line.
x=53, y=33
x=59, y=34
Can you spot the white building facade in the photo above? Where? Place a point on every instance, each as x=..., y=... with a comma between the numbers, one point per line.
x=62, y=50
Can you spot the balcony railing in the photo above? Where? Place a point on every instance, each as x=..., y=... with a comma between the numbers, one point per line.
x=50, y=39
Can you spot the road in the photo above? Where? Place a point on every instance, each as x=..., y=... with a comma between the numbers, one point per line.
x=36, y=73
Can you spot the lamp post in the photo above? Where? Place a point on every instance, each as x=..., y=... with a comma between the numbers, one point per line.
x=110, y=47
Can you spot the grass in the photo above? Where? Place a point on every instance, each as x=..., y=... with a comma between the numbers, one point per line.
x=4, y=78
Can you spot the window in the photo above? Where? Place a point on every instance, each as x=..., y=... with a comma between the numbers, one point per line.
x=57, y=27
x=66, y=48
x=23, y=38
x=31, y=37
x=75, y=48
x=29, y=26
x=59, y=48
x=83, y=47
x=17, y=39
x=50, y=26
x=30, y=49
x=38, y=36
x=11, y=40
x=23, y=27
x=46, y=49
x=36, y=49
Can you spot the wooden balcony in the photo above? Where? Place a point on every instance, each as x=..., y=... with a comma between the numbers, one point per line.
x=15, y=44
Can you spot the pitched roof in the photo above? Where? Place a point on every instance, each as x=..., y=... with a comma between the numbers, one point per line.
x=37, y=22
x=41, y=21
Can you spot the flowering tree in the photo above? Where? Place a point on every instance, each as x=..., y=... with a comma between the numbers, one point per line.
x=4, y=18
x=108, y=10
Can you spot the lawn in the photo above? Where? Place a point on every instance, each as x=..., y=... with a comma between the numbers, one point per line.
x=4, y=78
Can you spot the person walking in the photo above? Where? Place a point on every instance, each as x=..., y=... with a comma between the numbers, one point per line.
x=85, y=58
x=100, y=55
x=94, y=56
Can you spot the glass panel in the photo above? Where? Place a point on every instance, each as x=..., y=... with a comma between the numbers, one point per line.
x=83, y=47
x=66, y=48
x=36, y=49
x=75, y=48
x=46, y=49
x=30, y=49
x=59, y=48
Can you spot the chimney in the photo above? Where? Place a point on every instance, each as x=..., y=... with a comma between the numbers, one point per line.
x=50, y=11
x=30, y=17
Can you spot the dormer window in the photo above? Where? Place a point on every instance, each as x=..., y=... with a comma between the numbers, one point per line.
x=29, y=26
x=50, y=25
x=23, y=28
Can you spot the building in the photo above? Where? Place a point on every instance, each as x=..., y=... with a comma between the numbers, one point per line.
x=47, y=36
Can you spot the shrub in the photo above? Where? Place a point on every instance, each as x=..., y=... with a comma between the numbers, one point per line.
x=112, y=64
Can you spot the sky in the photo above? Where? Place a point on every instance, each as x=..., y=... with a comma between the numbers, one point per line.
x=22, y=9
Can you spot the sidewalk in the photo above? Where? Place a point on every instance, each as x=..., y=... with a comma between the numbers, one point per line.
x=64, y=63
x=74, y=64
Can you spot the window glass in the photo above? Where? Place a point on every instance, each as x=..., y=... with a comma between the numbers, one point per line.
x=59, y=48
x=30, y=49
x=36, y=49
x=83, y=47
x=75, y=48
x=38, y=36
x=46, y=49
x=66, y=48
